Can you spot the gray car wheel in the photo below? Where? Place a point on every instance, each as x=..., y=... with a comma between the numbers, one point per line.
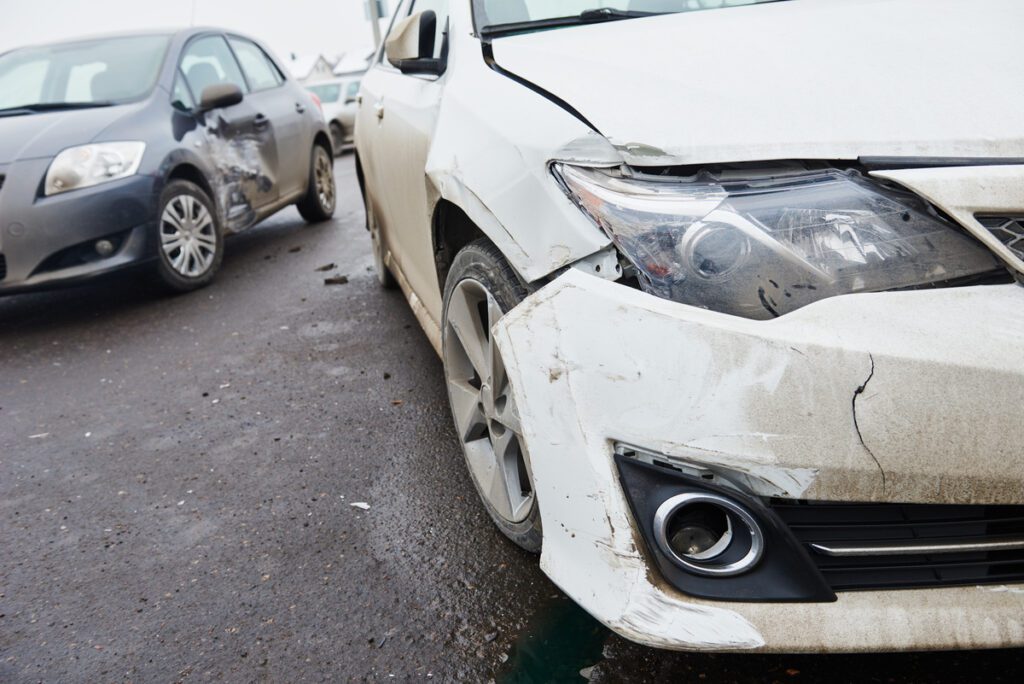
x=190, y=244
x=480, y=288
x=321, y=194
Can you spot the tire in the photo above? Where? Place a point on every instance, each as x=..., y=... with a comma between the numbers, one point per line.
x=318, y=203
x=189, y=238
x=384, y=276
x=481, y=285
x=337, y=138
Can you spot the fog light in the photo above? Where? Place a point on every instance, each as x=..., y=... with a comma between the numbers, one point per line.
x=708, y=534
x=104, y=247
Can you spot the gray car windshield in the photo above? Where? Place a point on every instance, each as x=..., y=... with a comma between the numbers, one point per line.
x=87, y=73
x=513, y=16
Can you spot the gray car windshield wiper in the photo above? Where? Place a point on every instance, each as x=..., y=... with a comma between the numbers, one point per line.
x=39, y=107
x=590, y=16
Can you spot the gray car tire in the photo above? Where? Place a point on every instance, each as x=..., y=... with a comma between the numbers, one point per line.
x=321, y=194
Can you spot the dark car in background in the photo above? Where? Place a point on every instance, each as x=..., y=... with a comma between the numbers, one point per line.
x=146, y=150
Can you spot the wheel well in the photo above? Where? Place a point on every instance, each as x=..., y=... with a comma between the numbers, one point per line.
x=193, y=174
x=322, y=140
x=453, y=230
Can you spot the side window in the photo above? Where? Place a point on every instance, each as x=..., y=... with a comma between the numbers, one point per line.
x=352, y=91
x=180, y=97
x=208, y=61
x=440, y=8
x=258, y=68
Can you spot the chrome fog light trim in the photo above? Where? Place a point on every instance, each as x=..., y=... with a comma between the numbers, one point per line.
x=702, y=562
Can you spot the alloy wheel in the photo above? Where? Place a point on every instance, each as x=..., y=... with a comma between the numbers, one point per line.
x=486, y=416
x=188, y=236
x=324, y=174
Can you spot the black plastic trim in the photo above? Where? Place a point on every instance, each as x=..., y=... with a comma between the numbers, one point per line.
x=897, y=163
x=785, y=572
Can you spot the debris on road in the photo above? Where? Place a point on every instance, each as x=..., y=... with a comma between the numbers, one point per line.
x=39, y=436
x=361, y=505
x=327, y=267
x=336, y=280
x=295, y=249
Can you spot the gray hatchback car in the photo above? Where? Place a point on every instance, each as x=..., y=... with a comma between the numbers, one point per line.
x=146, y=150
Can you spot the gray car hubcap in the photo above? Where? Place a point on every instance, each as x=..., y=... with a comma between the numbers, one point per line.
x=187, y=236
x=485, y=413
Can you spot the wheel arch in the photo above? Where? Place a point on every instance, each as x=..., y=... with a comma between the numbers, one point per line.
x=452, y=229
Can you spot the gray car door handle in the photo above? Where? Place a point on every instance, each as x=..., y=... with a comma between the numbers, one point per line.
x=300, y=108
x=260, y=122
x=379, y=109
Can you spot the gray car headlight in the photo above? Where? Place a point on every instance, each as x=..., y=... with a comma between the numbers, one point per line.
x=761, y=247
x=87, y=165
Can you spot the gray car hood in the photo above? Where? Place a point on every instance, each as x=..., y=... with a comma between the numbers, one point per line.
x=34, y=136
x=806, y=79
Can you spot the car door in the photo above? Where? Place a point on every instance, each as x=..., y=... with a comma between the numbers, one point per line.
x=401, y=112
x=285, y=111
x=239, y=140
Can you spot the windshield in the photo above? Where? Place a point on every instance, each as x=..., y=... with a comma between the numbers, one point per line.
x=111, y=70
x=493, y=13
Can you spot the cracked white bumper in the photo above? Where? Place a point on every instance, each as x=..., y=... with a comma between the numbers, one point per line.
x=902, y=397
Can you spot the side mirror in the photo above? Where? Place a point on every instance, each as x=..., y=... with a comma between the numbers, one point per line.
x=219, y=95
x=410, y=47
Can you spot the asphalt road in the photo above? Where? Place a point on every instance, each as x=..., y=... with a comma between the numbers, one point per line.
x=176, y=486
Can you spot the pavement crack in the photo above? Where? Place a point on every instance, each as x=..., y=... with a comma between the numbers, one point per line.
x=856, y=393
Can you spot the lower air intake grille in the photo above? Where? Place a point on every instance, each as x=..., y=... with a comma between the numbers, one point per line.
x=892, y=546
x=1009, y=231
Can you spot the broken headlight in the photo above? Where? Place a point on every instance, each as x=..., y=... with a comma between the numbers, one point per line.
x=761, y=247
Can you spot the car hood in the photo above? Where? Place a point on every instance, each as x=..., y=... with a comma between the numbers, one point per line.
x=33, y=136
x=797, y=79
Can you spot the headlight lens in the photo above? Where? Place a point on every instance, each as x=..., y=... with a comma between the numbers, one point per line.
x=762, y=247
x=81, y=167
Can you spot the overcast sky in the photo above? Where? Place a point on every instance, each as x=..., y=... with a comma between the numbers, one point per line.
x=301, y=26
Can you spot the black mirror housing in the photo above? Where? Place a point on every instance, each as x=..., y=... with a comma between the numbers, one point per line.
x=411, y=45
x=220, y=95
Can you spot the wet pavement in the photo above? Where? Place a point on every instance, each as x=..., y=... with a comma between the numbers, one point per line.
x=176, y=486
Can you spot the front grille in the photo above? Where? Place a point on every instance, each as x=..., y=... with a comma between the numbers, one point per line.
x=865, y=546
x=1008, y=230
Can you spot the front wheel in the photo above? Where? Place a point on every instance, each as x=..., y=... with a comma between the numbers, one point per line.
x=480, y=288
x=190, y=241
x=318, y=203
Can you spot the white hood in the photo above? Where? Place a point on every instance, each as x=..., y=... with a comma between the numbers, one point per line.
x=800, y=79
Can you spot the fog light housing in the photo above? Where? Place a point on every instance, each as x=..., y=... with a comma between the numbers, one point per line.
x=104, y=247
x=708, y=534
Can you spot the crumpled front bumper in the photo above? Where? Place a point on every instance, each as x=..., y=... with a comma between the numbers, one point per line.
x=900, y=397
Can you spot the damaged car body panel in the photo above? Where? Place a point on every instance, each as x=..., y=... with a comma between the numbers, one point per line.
x=824, y=404
x=757, y=337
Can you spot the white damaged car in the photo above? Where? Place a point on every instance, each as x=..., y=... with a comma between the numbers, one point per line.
x=728, y=296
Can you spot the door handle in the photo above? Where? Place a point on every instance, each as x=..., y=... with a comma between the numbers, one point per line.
x=300, y=108
x=379, y=109
x=260, y=122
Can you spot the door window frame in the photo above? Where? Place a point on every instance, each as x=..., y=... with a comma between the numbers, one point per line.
x=273, y=65
x=181, y=57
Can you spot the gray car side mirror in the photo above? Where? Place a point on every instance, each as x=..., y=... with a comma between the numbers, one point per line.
x=220, y=95
x=410, y=47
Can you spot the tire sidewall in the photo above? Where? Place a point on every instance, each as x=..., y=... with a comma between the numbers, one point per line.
x=482, y=262
x=165, y=271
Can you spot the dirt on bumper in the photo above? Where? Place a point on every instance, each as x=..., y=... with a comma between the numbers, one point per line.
x=901, y=397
